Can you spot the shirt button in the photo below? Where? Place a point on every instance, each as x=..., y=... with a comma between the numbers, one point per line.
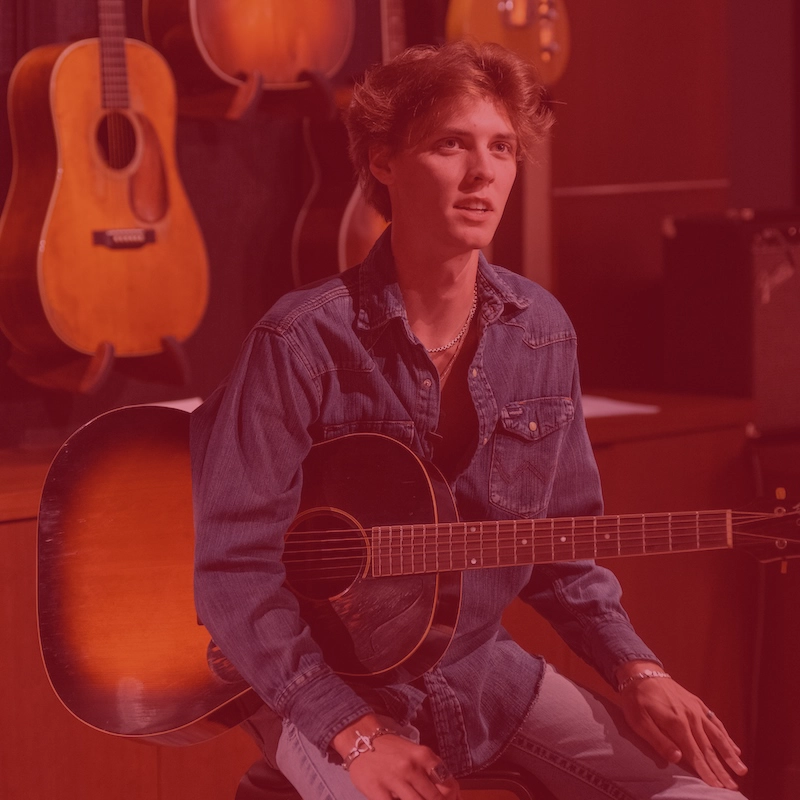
x=427, y=383
x=474, y=373
x=486, y=440
x=533, y=426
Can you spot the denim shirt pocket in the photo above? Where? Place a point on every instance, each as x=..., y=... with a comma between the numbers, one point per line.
x=525, y=453
x=401, y=430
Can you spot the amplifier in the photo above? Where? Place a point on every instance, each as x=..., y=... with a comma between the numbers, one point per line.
x=732, y=309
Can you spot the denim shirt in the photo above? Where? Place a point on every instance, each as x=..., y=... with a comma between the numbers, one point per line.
x=339, y=357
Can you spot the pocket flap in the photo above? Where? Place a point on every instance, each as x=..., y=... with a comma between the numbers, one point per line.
x=534, y=419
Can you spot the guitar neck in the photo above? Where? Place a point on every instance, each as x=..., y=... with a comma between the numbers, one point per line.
x=443, y=547
x=113, y=65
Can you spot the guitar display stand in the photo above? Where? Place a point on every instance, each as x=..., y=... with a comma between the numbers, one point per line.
x=84, y=374
x=228, y=102
x=80, y=373
x=170, y=366
x=312, y=96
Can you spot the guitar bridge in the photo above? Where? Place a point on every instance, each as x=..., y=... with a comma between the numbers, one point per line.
x=124, y=238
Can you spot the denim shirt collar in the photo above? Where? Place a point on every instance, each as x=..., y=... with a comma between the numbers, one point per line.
x=380, y=299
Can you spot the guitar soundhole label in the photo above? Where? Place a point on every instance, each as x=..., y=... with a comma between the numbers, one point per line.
x=116, y=138
x=324, y=554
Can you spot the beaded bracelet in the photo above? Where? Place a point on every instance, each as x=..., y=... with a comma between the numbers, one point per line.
x=646, y=673
x=363, y=744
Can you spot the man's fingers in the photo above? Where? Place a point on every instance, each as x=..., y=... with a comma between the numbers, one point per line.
x=652, y=734
x=725, y=746
x=702, y=755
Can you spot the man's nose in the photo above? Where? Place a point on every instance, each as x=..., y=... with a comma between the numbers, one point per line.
x=481, y=167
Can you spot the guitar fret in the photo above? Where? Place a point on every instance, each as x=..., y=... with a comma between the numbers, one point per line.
x=697, y=527
x=573, y=538
x=450, y=548
x=514, y=534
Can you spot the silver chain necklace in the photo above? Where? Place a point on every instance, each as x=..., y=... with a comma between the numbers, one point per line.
x=464, y=329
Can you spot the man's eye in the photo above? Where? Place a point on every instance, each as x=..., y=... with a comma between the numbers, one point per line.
x=449, y=144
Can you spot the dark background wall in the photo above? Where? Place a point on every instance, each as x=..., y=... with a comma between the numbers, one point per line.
x=664, y=110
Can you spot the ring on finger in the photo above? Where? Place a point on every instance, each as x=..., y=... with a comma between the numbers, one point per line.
x=439, y=773
x=710, y=714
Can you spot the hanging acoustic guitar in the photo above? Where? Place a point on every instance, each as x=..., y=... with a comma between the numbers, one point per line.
x=100, y=252
x=225, y=52
x=375, y=557
x=336, y=227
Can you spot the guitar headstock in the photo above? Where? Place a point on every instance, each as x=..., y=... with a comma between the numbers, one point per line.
x=770, y=531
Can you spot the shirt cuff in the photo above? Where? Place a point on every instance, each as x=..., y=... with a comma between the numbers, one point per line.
x=614, y=642
x=319, y=703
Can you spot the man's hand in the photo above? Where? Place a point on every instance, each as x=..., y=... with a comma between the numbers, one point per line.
x=679, y=726
x=396, y=768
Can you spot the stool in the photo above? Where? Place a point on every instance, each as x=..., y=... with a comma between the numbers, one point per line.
x=264, y=782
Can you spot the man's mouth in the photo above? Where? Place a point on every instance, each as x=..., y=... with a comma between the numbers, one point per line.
x=479, y=207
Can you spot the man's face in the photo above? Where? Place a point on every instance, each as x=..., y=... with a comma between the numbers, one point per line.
x=449, y=190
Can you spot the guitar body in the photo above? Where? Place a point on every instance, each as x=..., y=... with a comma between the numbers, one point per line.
x=98, y=242
x=237, y=47
x=120, y=638
x=335, y=228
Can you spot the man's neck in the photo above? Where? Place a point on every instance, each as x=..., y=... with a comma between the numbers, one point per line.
x=438, y=291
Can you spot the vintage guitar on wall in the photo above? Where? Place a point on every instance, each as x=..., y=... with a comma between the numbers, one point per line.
x=336, y=227
x=100, y=252
x=224, y=52
x=377, y=530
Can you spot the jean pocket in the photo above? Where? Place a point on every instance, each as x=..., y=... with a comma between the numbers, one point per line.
x=525, y=453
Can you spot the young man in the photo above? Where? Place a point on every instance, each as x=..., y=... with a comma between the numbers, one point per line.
x=473, y=368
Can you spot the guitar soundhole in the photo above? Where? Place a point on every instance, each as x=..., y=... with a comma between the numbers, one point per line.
x=116, y=138
x=324, y=554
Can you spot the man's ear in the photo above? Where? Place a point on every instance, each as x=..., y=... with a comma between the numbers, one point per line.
x=380, y=165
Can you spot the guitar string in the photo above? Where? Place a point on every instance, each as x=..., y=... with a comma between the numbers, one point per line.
x=504, y=549
x=352, y=537
x=416, y=563
x=543, y=527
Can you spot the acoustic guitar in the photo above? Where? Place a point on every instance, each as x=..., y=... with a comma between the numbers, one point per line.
x=377, y=529
x=98, y=243
x=336, y=227
x=535, y=29
x=224, y=52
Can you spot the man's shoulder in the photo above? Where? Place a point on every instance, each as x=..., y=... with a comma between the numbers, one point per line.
x=327, y=298
x=538, y=306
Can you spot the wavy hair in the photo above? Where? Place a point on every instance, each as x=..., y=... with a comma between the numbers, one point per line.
x=399, y=103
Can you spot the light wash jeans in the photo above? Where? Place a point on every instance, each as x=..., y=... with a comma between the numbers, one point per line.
x=575, y=742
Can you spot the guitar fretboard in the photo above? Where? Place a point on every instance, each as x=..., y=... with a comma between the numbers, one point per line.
x=113, y=66
x=416, y=549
